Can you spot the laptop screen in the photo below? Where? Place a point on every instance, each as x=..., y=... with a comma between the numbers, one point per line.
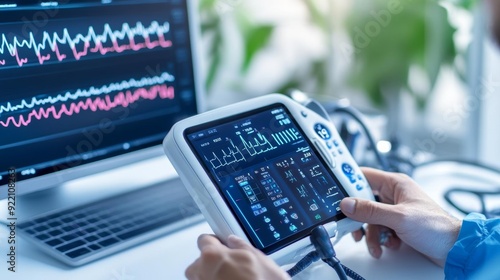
x=84, y=81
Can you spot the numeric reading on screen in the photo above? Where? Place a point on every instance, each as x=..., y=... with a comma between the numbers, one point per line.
x=269, y=175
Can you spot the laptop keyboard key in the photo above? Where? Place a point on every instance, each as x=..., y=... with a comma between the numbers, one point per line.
x=91, y=238
x=109, y=241
x=70, y=246
x=69, y=237
x=25, y=225
x=41, y=228
x=43, y=236
x=55, y=232
x=68, y=228
x=54, y=242
x=77, y=253
x=94, y=247
x=104, y=234
x=54, y=224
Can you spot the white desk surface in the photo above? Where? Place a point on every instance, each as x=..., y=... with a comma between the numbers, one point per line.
x=168, y=256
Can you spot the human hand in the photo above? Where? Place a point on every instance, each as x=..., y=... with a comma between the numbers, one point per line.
x=239, y=260
x=405, y=209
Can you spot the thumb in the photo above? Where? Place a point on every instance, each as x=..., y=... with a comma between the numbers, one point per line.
x=371, y=212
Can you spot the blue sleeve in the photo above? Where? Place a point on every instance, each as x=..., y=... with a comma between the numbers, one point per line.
x=476, y=253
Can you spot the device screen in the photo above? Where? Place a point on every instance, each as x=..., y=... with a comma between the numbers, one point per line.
x=269, y=174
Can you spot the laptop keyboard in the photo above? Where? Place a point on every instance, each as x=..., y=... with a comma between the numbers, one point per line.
x=84, y=233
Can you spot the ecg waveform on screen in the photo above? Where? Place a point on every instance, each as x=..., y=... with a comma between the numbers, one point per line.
x=286, y=136
x=93, y=91
x=233, y=154
x=49, y=47
x=105, y=103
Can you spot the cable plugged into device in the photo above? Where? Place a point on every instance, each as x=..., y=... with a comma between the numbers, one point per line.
x=324, y=251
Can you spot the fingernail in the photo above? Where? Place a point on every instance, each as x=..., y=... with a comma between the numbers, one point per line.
x=348, y=205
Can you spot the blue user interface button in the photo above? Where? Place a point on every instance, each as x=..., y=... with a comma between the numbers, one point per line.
x=322, y=131
x=347, y=169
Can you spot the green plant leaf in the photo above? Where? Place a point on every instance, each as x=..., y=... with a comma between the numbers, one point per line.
x=256, y=39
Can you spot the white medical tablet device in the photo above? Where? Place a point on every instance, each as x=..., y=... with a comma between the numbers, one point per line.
x=268, y=170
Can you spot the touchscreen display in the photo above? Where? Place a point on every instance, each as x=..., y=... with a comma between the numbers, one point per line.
x=269, y=174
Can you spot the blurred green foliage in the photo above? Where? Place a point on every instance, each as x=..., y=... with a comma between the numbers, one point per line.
x=466, y=4
x=211, y=26
x=391, y=36
x=255, y=36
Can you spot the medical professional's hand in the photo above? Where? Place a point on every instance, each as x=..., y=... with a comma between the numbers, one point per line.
x=239, y=260
x=412, y=215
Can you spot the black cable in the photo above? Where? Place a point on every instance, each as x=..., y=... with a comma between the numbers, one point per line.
x=342, y=270
x=324, y=251
x=401, y=164
x=303, y=263
x=351, y=273
x=480, y=195
x=337, y=266
x=358, y=117
x=492, y=213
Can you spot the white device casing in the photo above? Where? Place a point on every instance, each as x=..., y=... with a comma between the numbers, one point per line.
x=211, y=203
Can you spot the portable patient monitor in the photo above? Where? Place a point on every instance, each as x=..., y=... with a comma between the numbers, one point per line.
x=268, y=170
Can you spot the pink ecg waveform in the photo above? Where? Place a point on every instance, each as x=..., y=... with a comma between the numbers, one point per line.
x=110, y=41
x=104, y=103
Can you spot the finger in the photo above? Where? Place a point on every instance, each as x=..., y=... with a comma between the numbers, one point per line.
x=371, y=212
x=235, y=242
x=393, y=242
x=191, y=270
x=373, y=240
x=206, y=240
x=384, y=183
x=358, y=235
